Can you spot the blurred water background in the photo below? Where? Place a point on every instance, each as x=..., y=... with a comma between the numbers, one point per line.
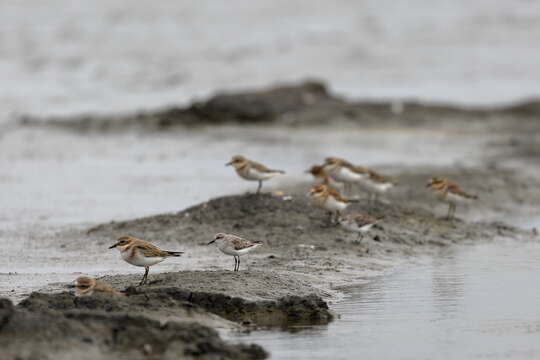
x=73, y=56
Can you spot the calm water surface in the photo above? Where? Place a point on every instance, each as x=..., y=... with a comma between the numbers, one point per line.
x=471, y=302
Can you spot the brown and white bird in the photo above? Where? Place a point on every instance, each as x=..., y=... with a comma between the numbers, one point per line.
x=85, y=286
x=330, y=200
x=252, y=171
x=141, y=253
x=343, y=171
x=360, y=224
x=321, y=177
x=450, y=193
x=235, y=246
x=376, y=184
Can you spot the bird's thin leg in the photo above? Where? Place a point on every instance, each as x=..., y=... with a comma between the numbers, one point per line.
x=235, y=263
x=360, y=237
x=453, y=211
x=145, y=276
x=330, y=217
x=449, y=210
x=259, y=187
x=238, y=264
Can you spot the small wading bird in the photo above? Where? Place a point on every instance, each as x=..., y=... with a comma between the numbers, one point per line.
x=376, y=184
x=141, y=253
x=85, y=286
x=235, y=246
x=320, y=177
x=360, y=224
x=252, y=171
x=330, y=200
x=343, y=171
x=450, y=193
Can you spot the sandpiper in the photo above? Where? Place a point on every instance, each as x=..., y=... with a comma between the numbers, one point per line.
x=330, y=200
x=141, y=253
x=235, y=246
x=252, y=171
x=85, y=286
x=360, y=224
x=450, y=193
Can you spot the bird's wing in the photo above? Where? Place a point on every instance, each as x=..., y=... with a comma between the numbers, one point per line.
x=378, y=178
x=260, y=167
x=455, y=189
x=239, y=243
x=149, y=249
x=363, y=220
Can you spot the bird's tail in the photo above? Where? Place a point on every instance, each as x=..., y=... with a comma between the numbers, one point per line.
x=174, y=253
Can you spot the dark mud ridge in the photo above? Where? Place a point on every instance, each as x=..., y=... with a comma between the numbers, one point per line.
x=308, y=103
x=82, y=334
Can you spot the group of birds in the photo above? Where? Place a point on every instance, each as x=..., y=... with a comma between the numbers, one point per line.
x=333, y=177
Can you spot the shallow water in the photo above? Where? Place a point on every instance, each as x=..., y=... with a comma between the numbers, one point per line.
x=469, y=302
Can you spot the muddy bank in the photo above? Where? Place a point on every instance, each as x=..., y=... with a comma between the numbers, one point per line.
x=98, y=335
x=174, y=296
x=305, y=104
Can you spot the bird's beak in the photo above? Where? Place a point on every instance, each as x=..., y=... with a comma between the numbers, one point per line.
x=211, y=242
x=229, y=163
x=70, y=285
x=428, y=184
x=113, y=246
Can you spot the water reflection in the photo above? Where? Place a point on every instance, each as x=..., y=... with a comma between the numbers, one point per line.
x=468, y=303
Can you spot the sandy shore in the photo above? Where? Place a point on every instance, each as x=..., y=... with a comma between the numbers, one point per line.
x=304, y=264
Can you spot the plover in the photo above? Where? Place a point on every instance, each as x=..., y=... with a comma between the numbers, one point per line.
x=321, y=177
x=330, y=200
x=142, y=253
x=85, y=286
x=343, y=171
x=252, y=171
x=235, y=246
x=450, y=193
x=359, y=223
x=376, y=184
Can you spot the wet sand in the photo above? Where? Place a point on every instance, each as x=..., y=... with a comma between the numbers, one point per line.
x=305, y=263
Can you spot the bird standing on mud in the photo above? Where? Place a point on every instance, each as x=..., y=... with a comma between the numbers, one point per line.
x=235, y=246
x=360, y=224
x=330, y=200
x=141, y=253
x=252, y=171
x=450, y=193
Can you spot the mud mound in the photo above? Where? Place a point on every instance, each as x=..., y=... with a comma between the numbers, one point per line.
x=308, y=103
x=91, y=335
x=284, y=224
x=186, y=296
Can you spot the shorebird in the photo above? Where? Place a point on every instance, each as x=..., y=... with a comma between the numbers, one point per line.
x=142, y=253
x=449, y=192
x=252, y=171
x=235, y=246
x=360, y=224
x=321, y=177
x=376, y=184
x=343, y=171
x=85, y=286
x=330, y=200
